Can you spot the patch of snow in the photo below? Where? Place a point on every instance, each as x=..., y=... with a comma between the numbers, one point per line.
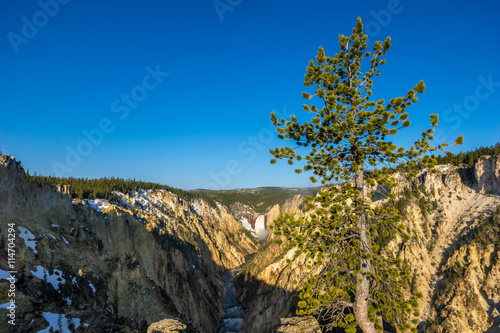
x=149, y=196
x=55, y=225
x=91, y=286
x=4, y=275
x=97, y=204
x=68, y=301
x=52, y=235
x=72, y=228
x=123, y=199
x=146, y=201
x=59, y=322
x=151, y=204
x=140, y=201
x=194, y=266
x=244, y=222
x=6, y=305
x=64, y=239
x=54, y=279
x=196, y=207
x=73, y=280
x=85, y=325
x=29, y=238
x=159, y=214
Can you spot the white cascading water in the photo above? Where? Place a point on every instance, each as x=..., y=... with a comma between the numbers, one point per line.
x=260, y=228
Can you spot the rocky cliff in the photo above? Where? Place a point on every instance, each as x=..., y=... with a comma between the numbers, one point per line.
x=487, y=173
x=454, y=220
x=265, y=282
x=95, y=266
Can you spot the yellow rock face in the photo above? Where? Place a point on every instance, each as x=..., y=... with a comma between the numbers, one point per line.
x=458, y=275
x=124, y=266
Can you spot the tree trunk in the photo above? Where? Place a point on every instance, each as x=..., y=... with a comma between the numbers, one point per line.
x=363, y=288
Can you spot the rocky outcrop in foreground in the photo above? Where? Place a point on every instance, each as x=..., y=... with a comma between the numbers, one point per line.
x=167, y=326
x=298, y=325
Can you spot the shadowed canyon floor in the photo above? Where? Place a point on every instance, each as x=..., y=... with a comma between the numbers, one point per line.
x=235, y=315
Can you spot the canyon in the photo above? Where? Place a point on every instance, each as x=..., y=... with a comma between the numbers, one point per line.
x=154, y=259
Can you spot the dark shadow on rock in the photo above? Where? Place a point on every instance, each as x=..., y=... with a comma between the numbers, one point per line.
x=119, y=274
x=264, y=304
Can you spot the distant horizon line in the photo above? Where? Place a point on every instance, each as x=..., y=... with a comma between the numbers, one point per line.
x=27, y=171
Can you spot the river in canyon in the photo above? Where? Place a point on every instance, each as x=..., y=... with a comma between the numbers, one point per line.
x=235, y=315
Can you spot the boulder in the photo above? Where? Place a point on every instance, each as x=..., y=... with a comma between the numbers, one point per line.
x=167, y=326
x=306, y=324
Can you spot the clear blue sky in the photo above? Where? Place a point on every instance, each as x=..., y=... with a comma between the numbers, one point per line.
x=68, y=68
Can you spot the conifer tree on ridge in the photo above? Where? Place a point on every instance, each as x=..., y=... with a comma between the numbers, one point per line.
x=347, y=144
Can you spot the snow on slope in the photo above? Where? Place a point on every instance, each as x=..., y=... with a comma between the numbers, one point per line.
x=29, y=238
x=59, y=322
x=54, y=279
x=146, y=201
x=244, y=222
x=97, y=204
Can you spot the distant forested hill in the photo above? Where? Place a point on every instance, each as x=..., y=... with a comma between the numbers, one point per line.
x=470, y=157
x=103, y=188
x=258, y=198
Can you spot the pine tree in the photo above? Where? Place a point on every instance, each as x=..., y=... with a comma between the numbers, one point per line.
x=347, y=144
x=22, y=266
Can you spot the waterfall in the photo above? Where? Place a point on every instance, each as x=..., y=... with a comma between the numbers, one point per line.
x=260, y=228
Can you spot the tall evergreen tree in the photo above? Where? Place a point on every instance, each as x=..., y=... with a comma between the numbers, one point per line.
x=347, y=144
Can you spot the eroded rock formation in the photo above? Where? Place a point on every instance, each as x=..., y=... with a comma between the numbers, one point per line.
x=454, y=250
x=93, y=265
x=98, y=266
